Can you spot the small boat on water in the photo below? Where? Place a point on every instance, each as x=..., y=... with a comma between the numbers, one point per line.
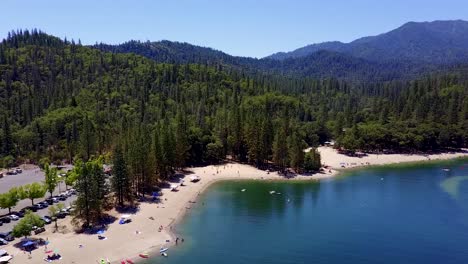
x=445, y=169
x=144, y=255
x=243, y=190
x=272, y=192
x=164, y=254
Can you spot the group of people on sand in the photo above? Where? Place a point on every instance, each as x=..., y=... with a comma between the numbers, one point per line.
x=177, y=240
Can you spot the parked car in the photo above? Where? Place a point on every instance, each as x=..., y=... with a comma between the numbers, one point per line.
x=11, y=172
x=46, y=219
x=7, y=236
x=14, y=217
x=38, y=230
x=1, y=223
x=49, y=201
x=62, y=197
x=61, y=214
x=44, y=204
x=20, y=214
x=29, y=208
x=72, y=191
x=18, y=170
x=55, y=199
x=3, y=242
x=35, y=207
x=5, y=220
x=65, y=211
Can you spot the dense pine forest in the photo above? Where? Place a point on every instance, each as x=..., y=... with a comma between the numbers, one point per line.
x=60, y=100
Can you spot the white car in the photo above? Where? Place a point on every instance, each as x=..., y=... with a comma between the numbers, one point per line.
x=14, y=217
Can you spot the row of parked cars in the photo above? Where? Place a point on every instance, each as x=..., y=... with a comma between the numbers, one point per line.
x=13, y=171
x=5, y=237
x=14, y=216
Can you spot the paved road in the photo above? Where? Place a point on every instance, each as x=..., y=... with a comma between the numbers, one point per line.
x=27, y=176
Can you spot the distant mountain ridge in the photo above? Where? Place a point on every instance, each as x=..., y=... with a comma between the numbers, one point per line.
x=404, y=53
x=436, y=42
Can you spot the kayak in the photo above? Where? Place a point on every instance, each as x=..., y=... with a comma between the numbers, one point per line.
x=164, y=254
x=144, y=255
x=163, y=250
x=130, y=261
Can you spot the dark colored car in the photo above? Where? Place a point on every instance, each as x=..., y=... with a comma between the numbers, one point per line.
x=19, y=214
x=49, y=201
x=61, y=215
x=7, y=236
x=5, y=220
x=30, y=208
x=44, y=204
x=3, y=241
x=46, y=219
x=62, y=197
x=39, y=230
x=36, y=207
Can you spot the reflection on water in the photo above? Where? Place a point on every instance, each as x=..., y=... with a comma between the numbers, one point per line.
x=451, y=185
x=386, y=216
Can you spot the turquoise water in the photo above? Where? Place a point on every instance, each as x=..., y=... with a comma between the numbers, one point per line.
x=384, y=215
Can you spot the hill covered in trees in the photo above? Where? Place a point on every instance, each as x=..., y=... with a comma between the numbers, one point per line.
x=62, y=100
x=438, y=42
x=321, y=64
x=406, y=53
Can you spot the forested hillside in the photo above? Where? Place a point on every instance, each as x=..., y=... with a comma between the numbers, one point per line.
x=437, y=42
x=320, y=64
x=62, y=100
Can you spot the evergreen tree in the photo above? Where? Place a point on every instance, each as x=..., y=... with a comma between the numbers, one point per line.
x=120, y=179
x=7, y=140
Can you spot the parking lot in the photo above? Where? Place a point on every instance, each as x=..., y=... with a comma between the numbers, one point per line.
x=29, y=175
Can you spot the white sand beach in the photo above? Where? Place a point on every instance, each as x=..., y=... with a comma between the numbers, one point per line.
x=141, y=235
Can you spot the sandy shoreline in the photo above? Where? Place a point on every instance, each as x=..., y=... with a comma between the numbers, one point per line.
x=124, y=243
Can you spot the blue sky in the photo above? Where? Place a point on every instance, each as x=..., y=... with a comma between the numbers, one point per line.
x=247, y=28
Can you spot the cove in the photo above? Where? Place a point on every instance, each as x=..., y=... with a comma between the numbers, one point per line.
x=379, y=215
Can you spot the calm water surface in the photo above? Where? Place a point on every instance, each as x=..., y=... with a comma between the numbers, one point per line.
x=386, y=215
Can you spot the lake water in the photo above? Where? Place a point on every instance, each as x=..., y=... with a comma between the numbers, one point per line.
x=416, y=214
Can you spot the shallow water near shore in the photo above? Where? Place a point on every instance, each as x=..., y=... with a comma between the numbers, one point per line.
x=416, y=214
